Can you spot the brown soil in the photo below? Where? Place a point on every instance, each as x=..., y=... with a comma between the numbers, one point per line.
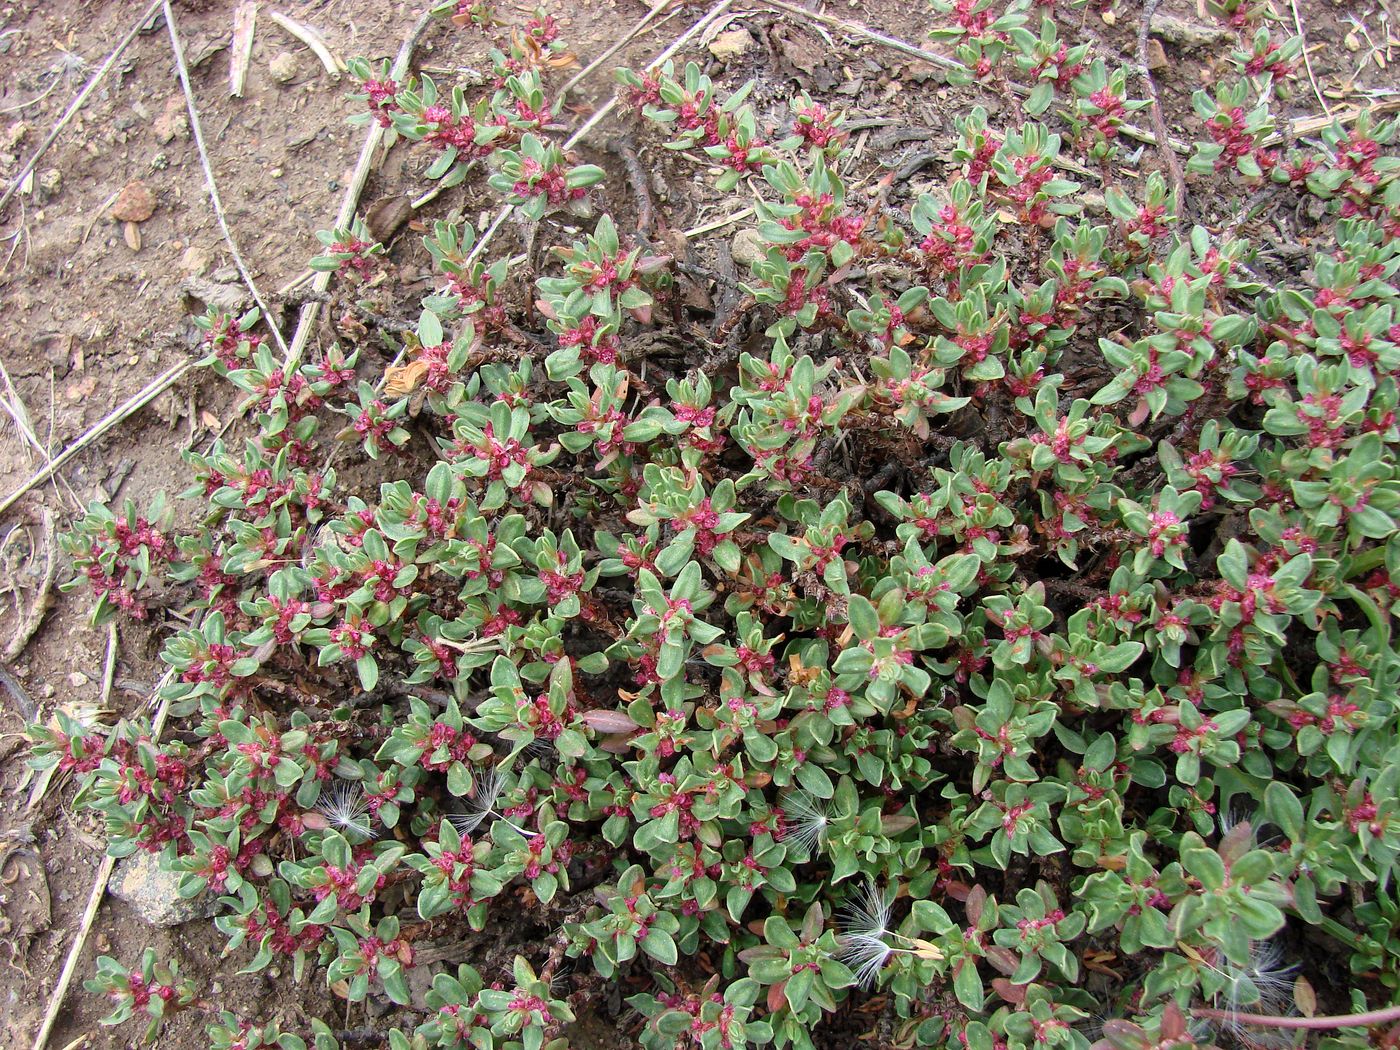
x=89, y=320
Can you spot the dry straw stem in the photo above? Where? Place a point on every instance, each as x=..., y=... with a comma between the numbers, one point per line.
x=602, y=112
x=856, y=29
x=1307, y=60
x=1370, y=1018
x=77, y=103
x=632, y=34
x=1312, y=125
x=29, y=621
x=1159, y=122
x=322, y=281
x=245, y=25
x=134, y=404
x=214, y=199
x=99, y=890
x=312, y=39
x=14, y=407
x=933, y=58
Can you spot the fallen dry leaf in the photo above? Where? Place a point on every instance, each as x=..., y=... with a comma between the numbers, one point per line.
x=386, y=216
x=404, y=379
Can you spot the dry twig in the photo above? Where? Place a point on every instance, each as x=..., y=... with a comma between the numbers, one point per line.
x=29, y=621
x=134, y=404
x=322, y=281
x=627, y=38
x=626, y=150
x=99, y=890
x=14, y=407
x=1159, y=122
x=109, y=665
x=245, y=24
x=198, y=133
x=312, y=39
x=717, y=224
x=77, y=103
x=1307, y=60
x=856, y=29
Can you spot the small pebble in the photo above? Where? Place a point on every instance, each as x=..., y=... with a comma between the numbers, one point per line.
x=77, y=679
x=283, y=67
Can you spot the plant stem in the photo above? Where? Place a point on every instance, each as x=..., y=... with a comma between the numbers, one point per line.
x=1369, y=1018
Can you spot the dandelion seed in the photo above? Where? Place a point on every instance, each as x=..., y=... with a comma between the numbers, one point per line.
x=347, y=810
x=807, y=820
x=481, y=801
x=1264, y=985
x=863, y=941
x=538, y=747
x=865, y=946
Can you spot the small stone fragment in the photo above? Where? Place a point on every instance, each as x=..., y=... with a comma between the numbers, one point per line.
x=77, y=679
x=172, y=121
x=730, y=44
x=195, y=260
x=135, y=203
x=283, y=67
x=748, y=248
x=50, y=182
x=1184, y=33
x=230, y=298
x=1156, y=54
x=155, y=894
x=131, y=233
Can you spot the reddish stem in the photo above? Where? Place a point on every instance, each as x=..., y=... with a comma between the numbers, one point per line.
x=1371, y=1017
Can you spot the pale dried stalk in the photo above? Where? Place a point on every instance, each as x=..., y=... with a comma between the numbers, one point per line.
x=602, y=113
x=322, y=281
x=312, y=39
x=632, y=34
x=15, y=408
x=1307, y=59
x=856, y=29
x=197, y=131
x=132, y=405
x=77, y=103
x=717, y=224
x=99, y=890
x=245, y=25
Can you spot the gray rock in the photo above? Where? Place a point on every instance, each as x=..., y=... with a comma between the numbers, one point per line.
x=154, y=894
x=1184, y=33
x=748, y=247
x=283, y=67
x=229, y=298
x=420, y=982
